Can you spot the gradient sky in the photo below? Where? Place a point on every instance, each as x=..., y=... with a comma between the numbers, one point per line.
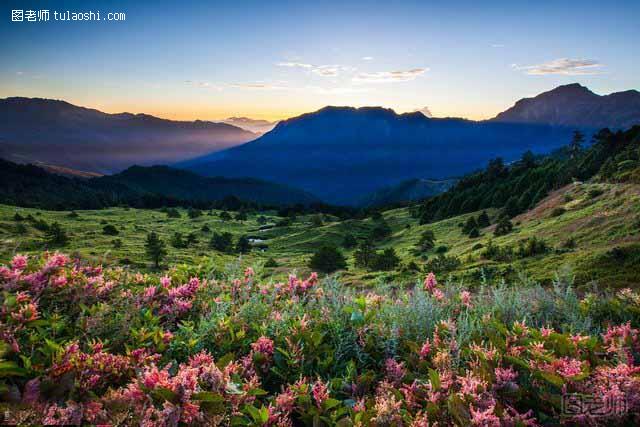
x=267, y=59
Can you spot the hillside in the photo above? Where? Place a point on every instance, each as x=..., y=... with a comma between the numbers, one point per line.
x=406, y=192
x=62, y=134
x=575, y=105
x=32, y=186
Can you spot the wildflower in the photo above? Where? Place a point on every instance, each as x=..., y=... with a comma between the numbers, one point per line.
x=430, y=282
x=566, y=367
x=26, y=313
x=165, y=282
x=285, y=401
x=320, y=392
x=437, y=293
x=19, y=262
x=485, y=418
x=395, y=370
x=546, y=332
x=465, y=298
x=425, y=350
x=505, y=376
x=263, y=345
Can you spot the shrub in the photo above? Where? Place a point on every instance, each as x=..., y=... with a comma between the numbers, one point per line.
x=117, y=244
x=194, y=213
x=205, y=228
x=110, y=230
x=558, y=212
x=595, y=193
x=442, y=249
x=271, y=263
x=483, y=220
x=17, y=217
x=503, y=227
x=244, y=245
x=474, y=233
x=72, y=215
x=222, y=242
x=349, y=241
x=386, y=260
x=427, y=241
x=173, y=213
x=328, y=259
x=241, y=216
x=177, y=241
x=56, y=235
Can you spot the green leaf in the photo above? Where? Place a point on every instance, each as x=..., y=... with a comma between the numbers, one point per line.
x=434, y=377
x=330, y=403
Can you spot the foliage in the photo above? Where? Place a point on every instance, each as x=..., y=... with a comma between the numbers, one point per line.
x=155, y=248
x=86, y=345
x=328, y=259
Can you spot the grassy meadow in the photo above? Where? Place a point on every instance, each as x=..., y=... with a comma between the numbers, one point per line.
x=590, y=229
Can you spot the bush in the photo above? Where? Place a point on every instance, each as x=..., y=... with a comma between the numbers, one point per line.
x=595, y=192
x=427, y=241
x=504, y=227
x=117, y=244
x=474, y=233
x=244, y=245
x=328, y=259
x=72, y=215
x=194, y=213
x=205, y=228
x=271, y=263
x=557, y=212
x=442, y=249
x=55, y=235
x=155, y=248
x=386, y=260
x=222, y=242
x=110, y=230
x=177, y=241
x=173, y=213
x=349, y=241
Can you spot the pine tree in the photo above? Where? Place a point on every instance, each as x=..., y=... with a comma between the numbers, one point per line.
x=244, y=245
x=155, y=248
x=56, y=235
x=328, y=259
x=483, y=220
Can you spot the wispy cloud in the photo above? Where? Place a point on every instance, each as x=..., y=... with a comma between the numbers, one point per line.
x=367, y=58
x=319, y=70
x=563, y=66
x=294, y=65
x=389, y=76
x=203, y=85
x=258, y=86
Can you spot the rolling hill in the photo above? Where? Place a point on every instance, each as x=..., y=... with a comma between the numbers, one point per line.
x=62, y=134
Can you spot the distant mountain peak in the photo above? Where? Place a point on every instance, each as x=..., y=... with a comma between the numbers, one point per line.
x=576, y=106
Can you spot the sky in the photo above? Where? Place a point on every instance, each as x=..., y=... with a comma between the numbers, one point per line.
x=271, y=60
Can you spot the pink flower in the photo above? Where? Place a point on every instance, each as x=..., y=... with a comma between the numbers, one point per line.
x=26, y=313
x=505, y=376
x=465, y=297
x=19, y=262
x=263, y=345
x=566, y=367
x=484, y=418
x=430, y=282
x=320, y=392
x=165, y=281
x=395, y=370
x=437, y=294
x=546, y=332
x=425, y=350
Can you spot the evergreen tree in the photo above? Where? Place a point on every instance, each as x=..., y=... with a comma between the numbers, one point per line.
x=155, y=248
x=177, y=241
x=427, y=241
x=328, y=259
x=56, y=235
x=222, y=242
x=470, y=225
x=364, y=254
x=474, y=233
x=576, y=144
x=349, y=241
x=504, y=227
x=243, y=246
x=511, y=208
x=483, y=220
x=387, y=260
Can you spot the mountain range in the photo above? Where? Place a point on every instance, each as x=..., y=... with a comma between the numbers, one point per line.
x=62, y=134
x=342, y=155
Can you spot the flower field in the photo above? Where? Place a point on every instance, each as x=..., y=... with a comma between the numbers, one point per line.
x=86, y=345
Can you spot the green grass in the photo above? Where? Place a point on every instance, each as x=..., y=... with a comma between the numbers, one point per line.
x=597, y=224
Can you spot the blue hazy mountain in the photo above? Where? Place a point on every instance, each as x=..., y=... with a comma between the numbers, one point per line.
x=341, y=154
x=58, y=133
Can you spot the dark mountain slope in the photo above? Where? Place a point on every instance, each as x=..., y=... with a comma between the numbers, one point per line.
x=31, y=186
x=341, y=153
x=59, y=133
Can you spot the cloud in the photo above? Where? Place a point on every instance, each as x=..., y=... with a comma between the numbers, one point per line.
x=562, y=66
x=367, y=58
x=258, y=86
x=294, y=65
x=319, y=70
x=335, y=90
x=389, y=76
x=426, y=111
x=203, y=85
